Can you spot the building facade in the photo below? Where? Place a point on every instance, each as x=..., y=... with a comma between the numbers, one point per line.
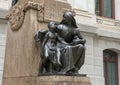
x=99, y=22
x=4, y=7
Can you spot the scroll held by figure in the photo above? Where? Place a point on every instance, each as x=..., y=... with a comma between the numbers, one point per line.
x=62, y=47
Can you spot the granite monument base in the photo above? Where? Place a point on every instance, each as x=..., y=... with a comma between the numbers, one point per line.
x=49, y=80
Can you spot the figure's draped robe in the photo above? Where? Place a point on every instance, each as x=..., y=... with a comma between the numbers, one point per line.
x=72, y=55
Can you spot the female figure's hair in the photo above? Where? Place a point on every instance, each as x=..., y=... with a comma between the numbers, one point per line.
x=68, y=16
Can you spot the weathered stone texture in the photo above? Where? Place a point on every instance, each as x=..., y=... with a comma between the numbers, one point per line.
x=62, y=80
x=22, y=57
x=19, y=81
x=47, y=80
x=54, y=10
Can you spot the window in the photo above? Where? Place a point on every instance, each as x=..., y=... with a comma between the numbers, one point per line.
x=110, y=67
x=105, y=8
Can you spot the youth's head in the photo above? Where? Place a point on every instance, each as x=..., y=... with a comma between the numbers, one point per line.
x=52, y=26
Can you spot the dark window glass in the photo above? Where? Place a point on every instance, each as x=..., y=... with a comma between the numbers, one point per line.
x=107, y=8
x=97, y=8
x=111, y=73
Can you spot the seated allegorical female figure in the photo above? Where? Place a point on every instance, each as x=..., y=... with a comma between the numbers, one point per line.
x=74, y=52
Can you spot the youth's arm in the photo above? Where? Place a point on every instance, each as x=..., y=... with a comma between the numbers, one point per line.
x=45, y=39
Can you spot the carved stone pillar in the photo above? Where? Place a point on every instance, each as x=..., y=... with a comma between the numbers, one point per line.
x=22, y=56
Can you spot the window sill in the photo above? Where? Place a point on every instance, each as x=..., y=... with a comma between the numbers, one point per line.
x=107, y=21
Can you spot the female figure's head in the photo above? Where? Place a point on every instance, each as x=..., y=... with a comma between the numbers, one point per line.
x=68, y=19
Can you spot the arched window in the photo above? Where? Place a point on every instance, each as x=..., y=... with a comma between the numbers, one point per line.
x=110, y=67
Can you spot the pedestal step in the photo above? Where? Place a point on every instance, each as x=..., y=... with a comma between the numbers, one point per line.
x=48, y=80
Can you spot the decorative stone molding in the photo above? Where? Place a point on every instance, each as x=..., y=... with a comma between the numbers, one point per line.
x=17, y=14
x=107, y=21
x=16, y=17
x=99, y=21
x=40, y=15
x=117, y=23
x=32, y=5
x=83, y=13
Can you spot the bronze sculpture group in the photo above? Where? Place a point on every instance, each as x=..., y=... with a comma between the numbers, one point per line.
x=62, y=47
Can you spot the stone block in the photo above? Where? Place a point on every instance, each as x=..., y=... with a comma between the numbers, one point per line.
x=48, y=80
x=1, y=60
x=54, y=10
x=89, y=60
x=98, y=61
x=1, y=67
x=2, y=51
x=3, y=27
x=2, y=40
x=87, y=69
x=22, y=56
x=98, y=52
x=19, y=81
x=89, y=40
x=97, y=80
x=3, y=11
x=62, y=80
x=89, y=50
x=98, y=70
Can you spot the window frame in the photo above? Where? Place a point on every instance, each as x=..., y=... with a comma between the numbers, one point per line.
x=112, y=9
x=116, y=67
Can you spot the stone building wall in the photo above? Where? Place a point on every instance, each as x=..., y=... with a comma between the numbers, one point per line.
x=3, y=26
x=101, y=33
x=4, y=7
x=5, y=4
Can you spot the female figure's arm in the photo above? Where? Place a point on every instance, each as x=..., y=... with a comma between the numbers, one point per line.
x=81, y=39
x=61, y=40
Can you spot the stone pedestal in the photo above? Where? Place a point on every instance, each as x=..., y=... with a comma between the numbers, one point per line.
x=48, y=80
x=62, y=80
x=22, y=56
